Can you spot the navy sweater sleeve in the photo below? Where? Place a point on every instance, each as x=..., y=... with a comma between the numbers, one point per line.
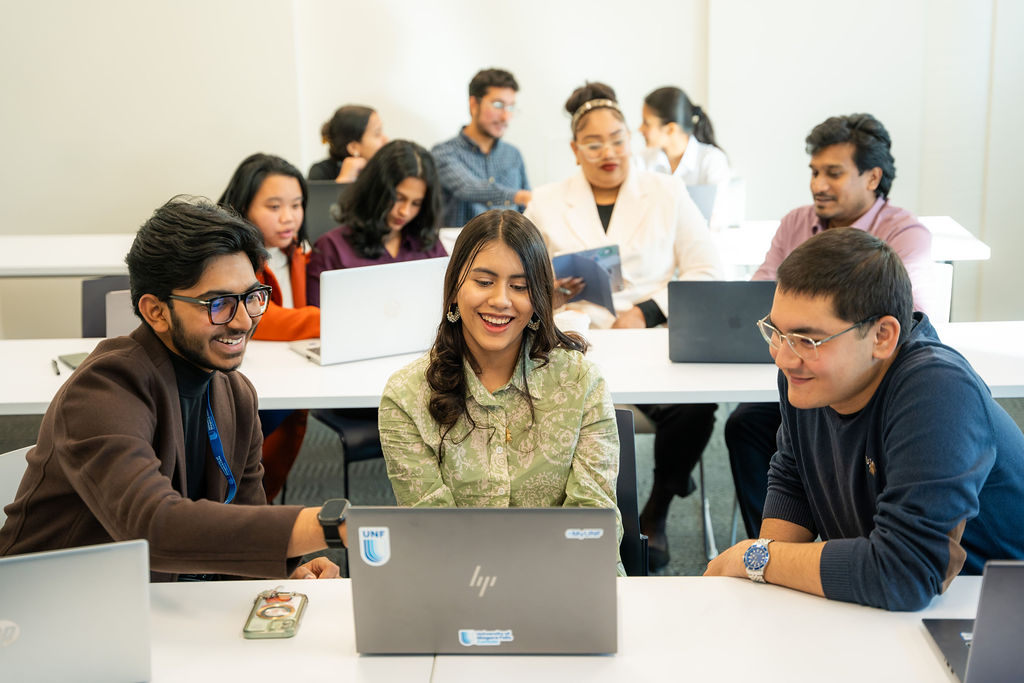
x=891, y=488
x=937, y=449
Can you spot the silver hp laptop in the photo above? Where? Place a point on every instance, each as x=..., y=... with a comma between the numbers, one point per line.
x=987, y=649
x=80, y=614
x=483, y=581
x=377, y=311
x=714, y=322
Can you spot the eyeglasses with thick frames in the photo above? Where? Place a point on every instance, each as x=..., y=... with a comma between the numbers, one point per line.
x=802, y=345
x=222, y=309
x=594, y=151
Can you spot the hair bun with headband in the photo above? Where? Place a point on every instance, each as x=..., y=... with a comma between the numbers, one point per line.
x=589, y=105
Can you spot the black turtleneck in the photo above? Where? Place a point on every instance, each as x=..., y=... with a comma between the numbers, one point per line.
x=192, y=385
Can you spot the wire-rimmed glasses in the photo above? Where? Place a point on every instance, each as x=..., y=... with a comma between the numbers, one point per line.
x=802, y=345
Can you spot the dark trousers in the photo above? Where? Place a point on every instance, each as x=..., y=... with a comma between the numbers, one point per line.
x=682, y=431
x=750, y=437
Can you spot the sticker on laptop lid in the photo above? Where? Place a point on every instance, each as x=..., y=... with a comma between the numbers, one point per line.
x=375, y=545
x=471, y=637
x=583, y=534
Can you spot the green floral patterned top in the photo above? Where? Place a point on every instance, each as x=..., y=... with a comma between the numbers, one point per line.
x=568, y=455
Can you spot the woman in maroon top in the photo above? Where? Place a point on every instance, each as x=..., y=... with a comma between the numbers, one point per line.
x=391, y=213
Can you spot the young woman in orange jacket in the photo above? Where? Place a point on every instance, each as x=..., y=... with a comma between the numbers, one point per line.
x=271, y=194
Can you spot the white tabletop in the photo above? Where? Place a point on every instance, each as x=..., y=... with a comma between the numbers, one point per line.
x=197, y=636
x=747, y=244
x=670, y=628
x=103, y=254
x=64, y=255
x=635, y=365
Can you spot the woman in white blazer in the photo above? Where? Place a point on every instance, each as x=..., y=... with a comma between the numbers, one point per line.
x=661, y=236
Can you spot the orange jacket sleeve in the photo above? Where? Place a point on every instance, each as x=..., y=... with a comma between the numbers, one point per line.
x=288, y=324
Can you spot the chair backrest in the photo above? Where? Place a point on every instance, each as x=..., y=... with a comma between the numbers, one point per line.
x=94, y=303
x=12, y=469
x=120, y=315
x=704, y=197
x=633, y=549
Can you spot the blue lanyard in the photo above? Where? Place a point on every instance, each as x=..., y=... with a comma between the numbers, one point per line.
x=218, y=449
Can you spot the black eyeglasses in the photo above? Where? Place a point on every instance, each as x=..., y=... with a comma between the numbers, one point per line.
x=222, y=309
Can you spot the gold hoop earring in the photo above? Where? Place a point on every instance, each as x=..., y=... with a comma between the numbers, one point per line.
x=453, y=314
x=534, y=323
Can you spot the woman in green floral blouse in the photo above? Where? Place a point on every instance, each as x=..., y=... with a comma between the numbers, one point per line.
x=504, y=411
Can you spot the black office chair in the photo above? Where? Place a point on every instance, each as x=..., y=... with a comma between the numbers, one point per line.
x=633, y=549
x=94, y=303
x=357, y=429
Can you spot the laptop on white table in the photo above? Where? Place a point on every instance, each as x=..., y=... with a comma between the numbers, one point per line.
x=376, y=311
x=484, y=581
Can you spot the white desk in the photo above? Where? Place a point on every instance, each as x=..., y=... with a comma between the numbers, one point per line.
x=64, y=255
x=634, y=362
x=103, y=254
x=197, y=637
x=670, y=628
x=746, y=245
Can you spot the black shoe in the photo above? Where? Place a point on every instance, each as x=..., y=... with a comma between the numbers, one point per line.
x=691, y=486
x=657, y=558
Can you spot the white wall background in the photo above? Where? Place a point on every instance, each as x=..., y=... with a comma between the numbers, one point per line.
x=113, y=106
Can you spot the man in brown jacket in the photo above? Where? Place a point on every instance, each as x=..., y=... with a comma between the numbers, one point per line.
x=155, y=436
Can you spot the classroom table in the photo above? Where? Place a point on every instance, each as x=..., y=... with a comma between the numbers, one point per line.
x=745, y=246
x=670, y=628
x=103, y=254
x=635, y=365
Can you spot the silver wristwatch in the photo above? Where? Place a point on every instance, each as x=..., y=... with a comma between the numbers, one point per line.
x=755, y=559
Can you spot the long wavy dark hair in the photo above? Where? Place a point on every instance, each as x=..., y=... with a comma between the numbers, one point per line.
x=445, y=370
x=365, y=204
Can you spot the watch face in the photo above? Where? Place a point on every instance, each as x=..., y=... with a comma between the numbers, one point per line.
x=755, y=558
x=332, y=509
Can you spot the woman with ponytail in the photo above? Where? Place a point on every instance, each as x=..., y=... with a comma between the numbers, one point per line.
x=681, y=140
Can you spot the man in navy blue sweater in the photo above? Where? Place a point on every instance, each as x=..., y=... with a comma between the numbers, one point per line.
x=891, y=448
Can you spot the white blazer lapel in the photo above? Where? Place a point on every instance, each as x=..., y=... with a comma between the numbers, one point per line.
x=581, y=217
x=630, y=209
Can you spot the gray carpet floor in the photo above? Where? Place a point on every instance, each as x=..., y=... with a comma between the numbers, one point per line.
x=318, y=474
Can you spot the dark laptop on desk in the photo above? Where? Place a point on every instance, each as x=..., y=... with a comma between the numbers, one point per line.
x=80, y=614
x=988, y=649
x=322, y=195
x=483, y=581
x=714, y=322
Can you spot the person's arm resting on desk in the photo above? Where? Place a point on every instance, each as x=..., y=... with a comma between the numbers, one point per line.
x=937, y=449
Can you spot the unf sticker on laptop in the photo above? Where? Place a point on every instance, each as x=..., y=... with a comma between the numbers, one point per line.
x=377, y=311
x=484, y=580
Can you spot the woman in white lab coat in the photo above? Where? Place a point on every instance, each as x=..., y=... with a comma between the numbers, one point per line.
x=661, y=236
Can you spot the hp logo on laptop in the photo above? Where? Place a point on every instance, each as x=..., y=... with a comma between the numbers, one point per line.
x=482, y=582
x=375, y=545
x=9, y=632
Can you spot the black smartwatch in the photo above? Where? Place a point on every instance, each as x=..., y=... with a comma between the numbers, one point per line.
x=332, y=514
